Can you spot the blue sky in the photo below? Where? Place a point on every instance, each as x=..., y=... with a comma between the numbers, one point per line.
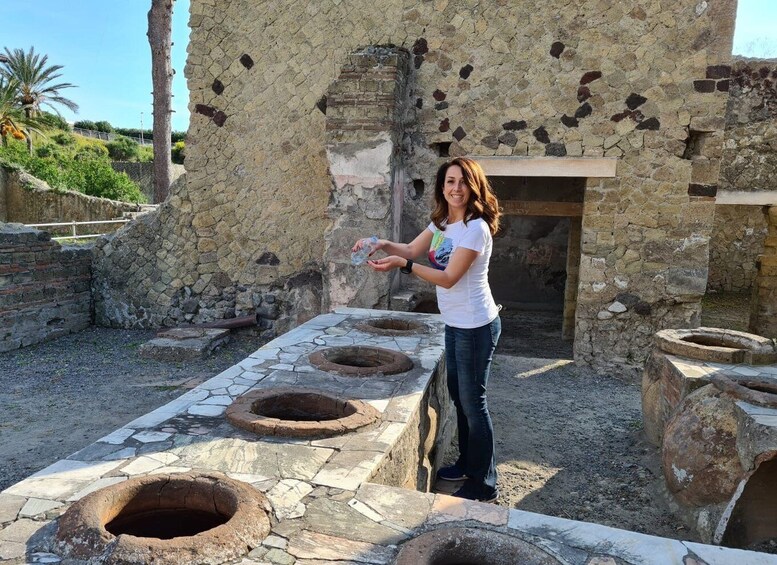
x=103, y=47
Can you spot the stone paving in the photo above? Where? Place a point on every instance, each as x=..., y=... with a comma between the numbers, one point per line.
x=325, y=509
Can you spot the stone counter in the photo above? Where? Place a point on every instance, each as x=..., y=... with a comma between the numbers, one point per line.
x=326, y=505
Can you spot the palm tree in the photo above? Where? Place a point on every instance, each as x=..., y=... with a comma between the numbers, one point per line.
x=10, y=114
x=13, y=120
x=34, y=77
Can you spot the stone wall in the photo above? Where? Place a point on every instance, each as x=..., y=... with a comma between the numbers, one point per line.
x=585, y=78
x=737, y=240
x=139, y=297
x=763, y=307
x=27, y=200
x=44, y=288
x=749, y=164
x=750, y=153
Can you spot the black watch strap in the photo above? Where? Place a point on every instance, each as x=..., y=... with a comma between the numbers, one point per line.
x=408, y=268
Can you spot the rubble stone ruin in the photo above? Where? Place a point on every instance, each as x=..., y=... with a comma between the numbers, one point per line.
x=601, y=127
x=623, y=143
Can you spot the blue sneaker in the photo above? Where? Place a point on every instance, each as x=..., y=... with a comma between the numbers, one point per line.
x=451, y=473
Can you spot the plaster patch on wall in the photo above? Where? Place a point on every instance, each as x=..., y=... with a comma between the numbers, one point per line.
x=361, y=164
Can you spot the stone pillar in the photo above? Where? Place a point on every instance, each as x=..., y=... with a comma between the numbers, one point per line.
x=364, y=108
x=763, y=306
x=573, y=279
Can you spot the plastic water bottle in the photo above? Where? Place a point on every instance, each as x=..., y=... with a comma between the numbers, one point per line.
x=360, y=256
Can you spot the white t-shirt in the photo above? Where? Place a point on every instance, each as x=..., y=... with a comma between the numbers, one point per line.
x=468, y=303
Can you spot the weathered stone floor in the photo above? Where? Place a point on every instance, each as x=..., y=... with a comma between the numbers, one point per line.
x=326, y=510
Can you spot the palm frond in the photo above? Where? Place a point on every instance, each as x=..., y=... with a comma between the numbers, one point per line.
x=34, y=77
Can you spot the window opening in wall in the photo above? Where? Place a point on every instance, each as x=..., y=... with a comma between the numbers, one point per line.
x=694, y=145
x=442, y=148
x=535, y=262
x=418, y=189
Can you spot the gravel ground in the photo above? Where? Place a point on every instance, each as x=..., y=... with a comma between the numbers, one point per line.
x=569, y=443
x=60, y=396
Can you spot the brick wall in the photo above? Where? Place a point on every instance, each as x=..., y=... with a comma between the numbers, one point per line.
x=365, y=106
x=44, y=288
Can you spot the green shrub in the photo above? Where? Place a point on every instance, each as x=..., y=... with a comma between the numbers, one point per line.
x=85, y=124
x=179, y=152
x=97, y=178
x=63, y=138
x=149, y=134
x=93, y=176
x=123, y=149
x=47, y=150
x=146, y=154
x=56, y=121
x=103, y=126
x=91, y=151
x=135, y=132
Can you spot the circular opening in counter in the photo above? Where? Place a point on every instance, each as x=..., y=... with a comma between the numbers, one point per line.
x=165, y=523
x=392, y=326
x=361, y=361
x=166, y=519
x=470, y=546
x=299, y=413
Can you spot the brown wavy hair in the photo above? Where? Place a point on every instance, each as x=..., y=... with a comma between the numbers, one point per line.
x=482, y=201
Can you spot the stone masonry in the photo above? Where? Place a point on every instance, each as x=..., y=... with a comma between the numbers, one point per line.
x=749, y=165
x=44, y=288
x=638, y=81
x=364, y=110
x=737, y=240
x=763, y=313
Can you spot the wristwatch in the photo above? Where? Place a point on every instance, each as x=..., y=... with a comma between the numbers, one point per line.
x=408, y=268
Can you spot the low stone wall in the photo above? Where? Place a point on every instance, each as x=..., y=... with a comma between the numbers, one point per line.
x=44, y=288
x=28, y=200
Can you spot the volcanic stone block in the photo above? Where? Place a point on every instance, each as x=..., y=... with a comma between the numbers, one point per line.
x=182, y=344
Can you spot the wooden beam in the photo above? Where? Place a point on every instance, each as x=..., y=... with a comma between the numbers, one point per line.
x=745, y=198
x=585, y=167
x=540, y=208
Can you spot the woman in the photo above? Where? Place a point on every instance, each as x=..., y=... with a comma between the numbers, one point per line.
x=459, y=241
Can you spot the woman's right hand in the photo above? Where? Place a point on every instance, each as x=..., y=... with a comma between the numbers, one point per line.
x=360, y=243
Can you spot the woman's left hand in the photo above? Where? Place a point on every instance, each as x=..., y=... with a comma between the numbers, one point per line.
x=387, y=263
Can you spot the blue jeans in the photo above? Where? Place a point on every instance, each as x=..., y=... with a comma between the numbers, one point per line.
x=468, y=355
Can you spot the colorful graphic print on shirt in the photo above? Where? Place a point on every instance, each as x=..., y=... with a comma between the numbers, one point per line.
x=440, y=250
